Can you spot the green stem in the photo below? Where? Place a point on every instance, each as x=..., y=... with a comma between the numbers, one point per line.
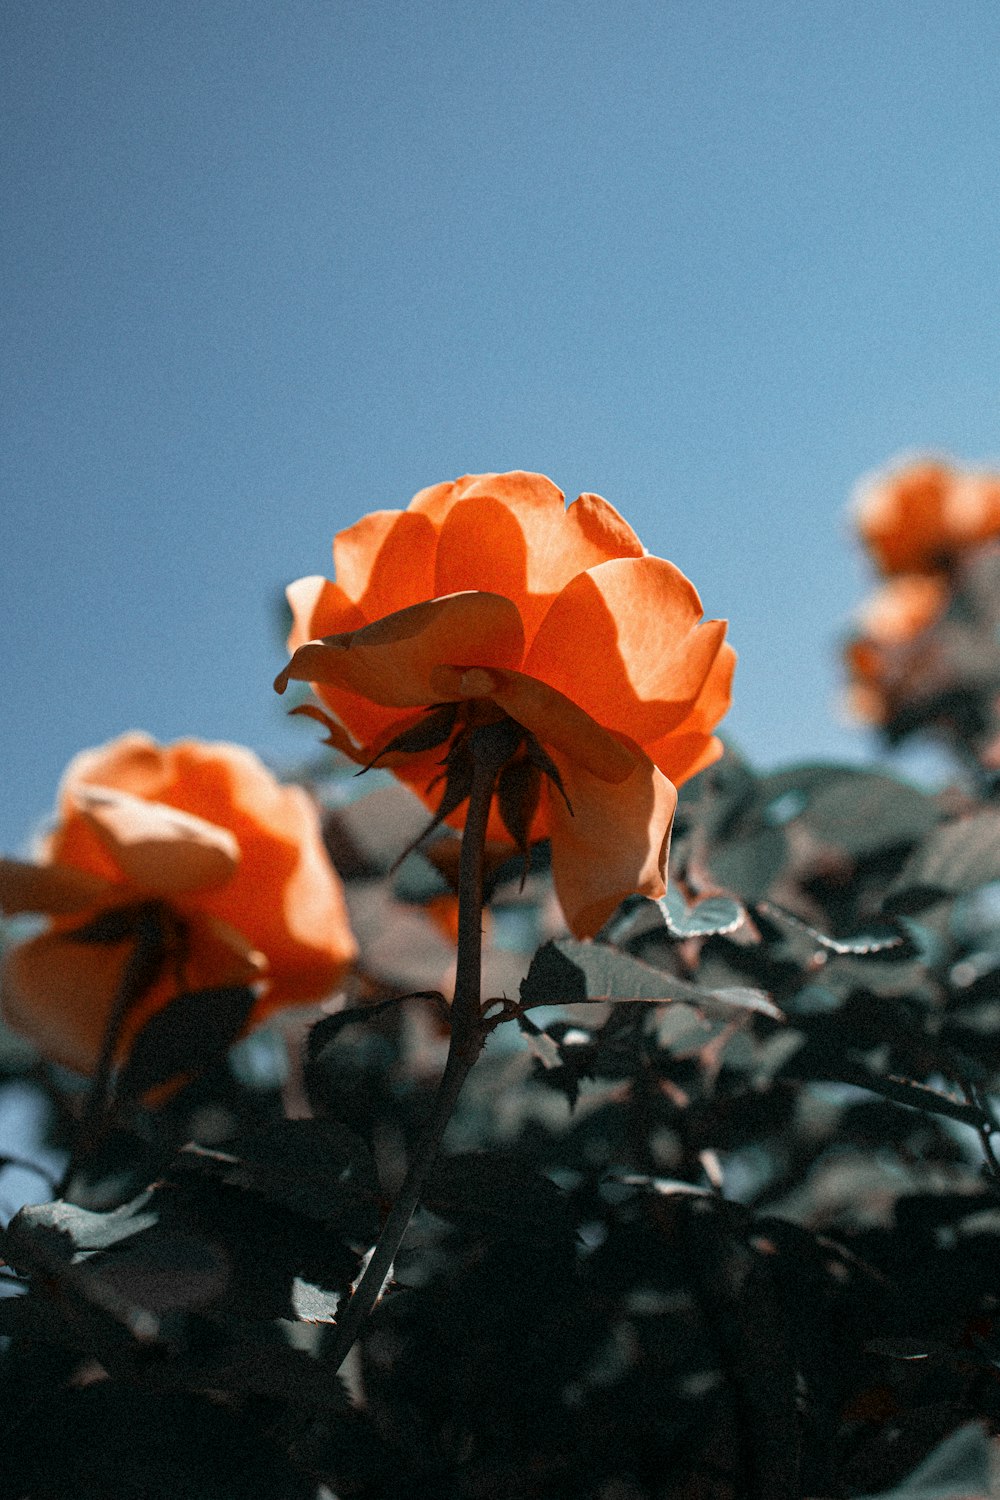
x=142, y=969
x=467, y=1035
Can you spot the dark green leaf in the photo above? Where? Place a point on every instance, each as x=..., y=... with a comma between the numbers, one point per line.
x=317, y=1168
x=418, y=880
x=864, y=811
x=957, y=858
x=314, y=1304
x=749, y=864
x=194, y=1030
x=491, y=1191
x=569, y=972
x=79, y=1230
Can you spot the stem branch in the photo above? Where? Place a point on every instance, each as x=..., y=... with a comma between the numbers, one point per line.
x=467, y=1036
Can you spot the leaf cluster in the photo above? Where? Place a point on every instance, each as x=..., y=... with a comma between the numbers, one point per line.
x=718, y=1214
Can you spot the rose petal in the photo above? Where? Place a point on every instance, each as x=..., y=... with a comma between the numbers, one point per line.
x=390, y=662
x=56, y=890
x=647, y=658
x=385, y=562
x=510, y=534
x=161, y=850
x=133, y=762
x=59, y=993
x=613, y=845
x=901, y=517
x=904, y=606
x=285, y=900
x=691, y=746
x=319, y=608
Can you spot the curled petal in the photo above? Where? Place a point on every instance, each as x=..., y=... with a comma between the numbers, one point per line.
x=336, y=735
x=159, y=849
x=391, y=661
x=691, y=746
x=319, y=608
x=614, y=844
x=56, y=890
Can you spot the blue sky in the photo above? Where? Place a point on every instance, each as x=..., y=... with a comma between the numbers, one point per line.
x=270, y=265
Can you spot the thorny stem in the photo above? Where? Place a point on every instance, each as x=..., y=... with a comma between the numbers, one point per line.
x=141, y=971
x=467, y=1036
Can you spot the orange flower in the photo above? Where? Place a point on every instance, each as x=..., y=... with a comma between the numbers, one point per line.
x=205, y=828
x=914, y=520
x=884, y=667
x=489, y=595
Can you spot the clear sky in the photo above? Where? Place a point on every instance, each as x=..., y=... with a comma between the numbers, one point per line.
x=268, y=264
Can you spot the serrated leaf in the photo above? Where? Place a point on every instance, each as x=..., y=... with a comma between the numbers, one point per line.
x=863, y=811
x=571, y=972
x=80, y=1229
x=877, y=939
x=712, y=917
x=313, y=1304
x=957, y=858
x=166, y=1272
x=185, y=1037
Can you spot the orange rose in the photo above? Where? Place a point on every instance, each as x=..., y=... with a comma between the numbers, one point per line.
x=204, y=828
x=883, y=666
x=487, y=594
x=916, y=519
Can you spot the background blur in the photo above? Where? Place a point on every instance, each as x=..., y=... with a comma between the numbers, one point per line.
x=269, y=265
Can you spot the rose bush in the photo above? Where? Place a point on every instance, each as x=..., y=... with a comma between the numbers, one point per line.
x=235, y=859
x=884, y=662
x=487, y=597
x=915, y=518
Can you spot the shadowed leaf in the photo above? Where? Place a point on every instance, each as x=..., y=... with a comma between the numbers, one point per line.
x=957, y=858
x=570, y=972
x=191, y=1032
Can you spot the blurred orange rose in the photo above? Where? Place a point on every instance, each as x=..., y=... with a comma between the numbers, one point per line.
x=884, y=668
x=204, y=828
x=489, y=595
x=915, y=519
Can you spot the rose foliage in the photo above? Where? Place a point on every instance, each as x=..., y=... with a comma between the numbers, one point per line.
x=717, y=1216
